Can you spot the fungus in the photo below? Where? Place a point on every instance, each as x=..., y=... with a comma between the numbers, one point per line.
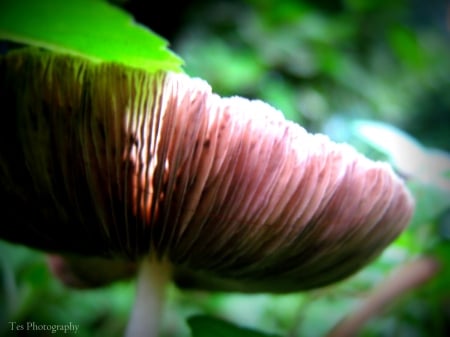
x=152, y=171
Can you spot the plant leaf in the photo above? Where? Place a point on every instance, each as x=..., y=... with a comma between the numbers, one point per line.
x=207, y=326
x=90, y=28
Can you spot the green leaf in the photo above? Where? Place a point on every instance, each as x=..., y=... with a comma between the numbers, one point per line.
x=405, y=44
x=90, y=28
x=207, y=326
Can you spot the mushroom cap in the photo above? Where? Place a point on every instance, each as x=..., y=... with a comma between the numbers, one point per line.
x=101, y=160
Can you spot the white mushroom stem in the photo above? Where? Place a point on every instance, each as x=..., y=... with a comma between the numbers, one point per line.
x=405, y=278
x=152, y=279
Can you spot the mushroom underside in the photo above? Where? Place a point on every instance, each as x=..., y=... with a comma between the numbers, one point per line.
x=103, y=162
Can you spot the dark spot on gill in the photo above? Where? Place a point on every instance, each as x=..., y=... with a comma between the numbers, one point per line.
x=132, y=140
x=195, y=148
x=101, y=130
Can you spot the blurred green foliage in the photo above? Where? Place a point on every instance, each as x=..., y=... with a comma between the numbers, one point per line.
x=325, y=64
x=365, y=59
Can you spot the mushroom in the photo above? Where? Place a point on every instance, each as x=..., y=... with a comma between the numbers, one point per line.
x=155, y=173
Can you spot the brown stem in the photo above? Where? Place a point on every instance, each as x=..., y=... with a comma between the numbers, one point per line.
x=402, y=280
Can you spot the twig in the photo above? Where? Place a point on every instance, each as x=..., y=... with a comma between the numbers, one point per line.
x=407, y=277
